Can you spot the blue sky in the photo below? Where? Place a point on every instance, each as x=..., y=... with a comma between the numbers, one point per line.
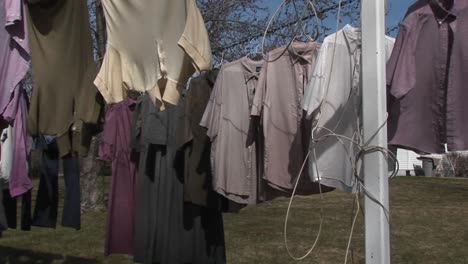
x=397, y=11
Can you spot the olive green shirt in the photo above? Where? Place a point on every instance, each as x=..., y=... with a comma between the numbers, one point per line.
x=64, y=97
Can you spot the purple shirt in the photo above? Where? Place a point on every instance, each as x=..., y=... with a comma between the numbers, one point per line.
x=14, y=63
x=14, y=50
x=115, y=147
x=427, y=76
x=17, y=111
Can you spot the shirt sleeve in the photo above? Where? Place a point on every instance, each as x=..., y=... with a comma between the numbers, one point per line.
x=13, y=11
x=195, y=40
x=401, y=71
x=212, y=115
x=15, y=23
x=260, y=91
x=313, y=95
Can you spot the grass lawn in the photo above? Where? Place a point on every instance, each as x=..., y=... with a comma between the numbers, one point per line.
x=429, y=225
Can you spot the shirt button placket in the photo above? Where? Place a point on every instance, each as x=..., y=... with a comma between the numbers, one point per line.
x=443, y=60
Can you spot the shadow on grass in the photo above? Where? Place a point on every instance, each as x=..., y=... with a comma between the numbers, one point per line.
x=20, y=256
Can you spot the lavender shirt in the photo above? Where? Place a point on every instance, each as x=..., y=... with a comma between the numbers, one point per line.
x=17, y=111
x=14, y=63
x=14, y=50
x=427, y=77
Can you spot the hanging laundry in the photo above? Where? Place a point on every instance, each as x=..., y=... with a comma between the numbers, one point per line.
x=195, y=145
x=115, y=146
x=17, y=171
x=8, y=168
x=226, y=118
x=6, y=158
x=20, y=181
x=14, y=51
x=153, y=46
x=14, y=64
x=333, y=100
x=45, y=213
x=426, y=78
x=166, y=229
x=278, y=100
x=64, y=97
x=10, y=205
x=3, y=219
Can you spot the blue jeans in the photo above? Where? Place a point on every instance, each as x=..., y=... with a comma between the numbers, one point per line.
x=45, y=213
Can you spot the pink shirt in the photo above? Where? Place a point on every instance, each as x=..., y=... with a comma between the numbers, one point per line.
x=14, y=64
x=278, y=100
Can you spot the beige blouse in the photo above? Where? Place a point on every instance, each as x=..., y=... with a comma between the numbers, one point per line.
x=154, y=46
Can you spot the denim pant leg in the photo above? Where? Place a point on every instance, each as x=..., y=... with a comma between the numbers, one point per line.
x=45, y=212
x=72, y=201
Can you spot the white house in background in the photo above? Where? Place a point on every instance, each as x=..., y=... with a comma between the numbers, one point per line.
x=407, y=159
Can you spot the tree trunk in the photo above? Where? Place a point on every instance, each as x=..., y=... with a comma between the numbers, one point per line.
x=93, y=187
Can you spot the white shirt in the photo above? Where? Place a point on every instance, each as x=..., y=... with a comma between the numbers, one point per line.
x=7, y=144
x=333, y=100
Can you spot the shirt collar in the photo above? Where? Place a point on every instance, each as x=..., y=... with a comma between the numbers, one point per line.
x=442, y=14
x=352, y=37
x=250, y=68
x=303, y=52
x=352, y=34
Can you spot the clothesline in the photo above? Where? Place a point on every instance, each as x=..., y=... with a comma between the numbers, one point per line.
x=280, y=27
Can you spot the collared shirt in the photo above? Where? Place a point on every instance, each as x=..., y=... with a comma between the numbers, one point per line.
x=333, y=99
x=227, y=119
x=278, y=100
x=426, y=78
x=14, y=50
x=153, y=46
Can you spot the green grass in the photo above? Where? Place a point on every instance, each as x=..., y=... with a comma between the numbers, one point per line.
x=429, y=225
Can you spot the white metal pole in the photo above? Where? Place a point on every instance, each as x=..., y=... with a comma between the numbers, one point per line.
x=374, y=113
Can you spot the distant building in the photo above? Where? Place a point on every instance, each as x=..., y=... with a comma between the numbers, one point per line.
x=454, y=164
x=407, y=161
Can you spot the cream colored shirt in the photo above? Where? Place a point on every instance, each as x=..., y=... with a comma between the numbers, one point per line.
x=154, y=46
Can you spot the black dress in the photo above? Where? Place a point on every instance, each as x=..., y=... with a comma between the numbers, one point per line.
x=168, y=230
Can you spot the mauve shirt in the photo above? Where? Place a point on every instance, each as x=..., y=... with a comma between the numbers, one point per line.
x=115, y=147
x=14, y=63
x=17, y=111
x=427, y=77
x=14, y=50
x=278, y=100
x=227, y=118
